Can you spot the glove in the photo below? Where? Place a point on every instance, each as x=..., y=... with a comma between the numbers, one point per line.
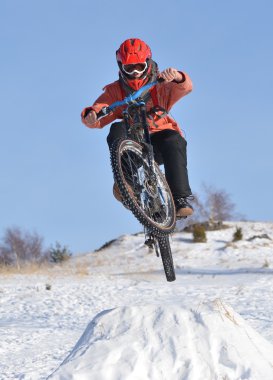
x=171, y=74
x=89, y=116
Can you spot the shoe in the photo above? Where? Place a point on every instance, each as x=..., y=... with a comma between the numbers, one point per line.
x=183, y=207
x=118, y=196
x=116, y=193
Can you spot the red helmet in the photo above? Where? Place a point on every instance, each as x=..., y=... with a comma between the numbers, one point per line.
x=134, y=51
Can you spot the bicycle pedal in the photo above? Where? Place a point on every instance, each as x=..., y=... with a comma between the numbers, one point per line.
x=181, y=217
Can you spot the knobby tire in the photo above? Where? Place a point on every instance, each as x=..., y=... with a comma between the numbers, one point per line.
x=166, y=257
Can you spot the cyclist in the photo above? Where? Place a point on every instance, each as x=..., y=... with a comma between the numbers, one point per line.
x=136, y=68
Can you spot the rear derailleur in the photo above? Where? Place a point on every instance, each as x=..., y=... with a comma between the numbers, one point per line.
x=151, y=242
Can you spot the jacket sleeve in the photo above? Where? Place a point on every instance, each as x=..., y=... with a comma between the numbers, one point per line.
x=171, y=92
x=104, y=100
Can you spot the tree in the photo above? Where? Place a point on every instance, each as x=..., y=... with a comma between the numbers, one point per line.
x=19, y=247
x=218, y=205
x=213, y=207
x=59, y=254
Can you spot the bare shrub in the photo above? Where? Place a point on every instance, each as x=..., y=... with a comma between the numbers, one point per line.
x=82, y=268
x=238, y=234
x=199, y=234
x=19, y=247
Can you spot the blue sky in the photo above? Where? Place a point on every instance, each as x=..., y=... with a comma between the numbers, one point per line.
x=57, y=55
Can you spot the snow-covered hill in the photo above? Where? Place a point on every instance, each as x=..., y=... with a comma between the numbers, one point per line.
x=112, y=315
x=253, y=253
x=169, y=342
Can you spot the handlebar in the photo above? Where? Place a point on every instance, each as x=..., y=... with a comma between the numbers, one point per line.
x=128, y=100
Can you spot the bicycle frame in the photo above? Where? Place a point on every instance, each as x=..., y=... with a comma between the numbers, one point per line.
x=137, y=129
x=134, y=103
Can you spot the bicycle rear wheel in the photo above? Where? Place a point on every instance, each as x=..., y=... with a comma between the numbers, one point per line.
x=166, y=256
x=149, y=200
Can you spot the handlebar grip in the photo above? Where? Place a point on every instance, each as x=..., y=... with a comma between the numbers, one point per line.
x=160, y=80
x=86, y=112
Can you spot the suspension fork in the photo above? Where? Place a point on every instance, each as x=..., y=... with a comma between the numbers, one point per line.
x=148, y=148
x=126, y=120
x=127, y=125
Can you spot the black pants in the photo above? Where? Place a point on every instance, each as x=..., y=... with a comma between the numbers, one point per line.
x=170, y=149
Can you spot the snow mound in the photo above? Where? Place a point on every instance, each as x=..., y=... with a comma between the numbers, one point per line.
x=147, y=342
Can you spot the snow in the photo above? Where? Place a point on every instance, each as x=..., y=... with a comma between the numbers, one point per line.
x=168, y=342
x=112, y=315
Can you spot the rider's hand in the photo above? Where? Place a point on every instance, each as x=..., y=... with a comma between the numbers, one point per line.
x=90, y=117
x=171, y=74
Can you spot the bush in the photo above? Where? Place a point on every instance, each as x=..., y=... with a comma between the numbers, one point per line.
x=238, y=234
x=199, y=233
x=19, y=247
x=59, y=254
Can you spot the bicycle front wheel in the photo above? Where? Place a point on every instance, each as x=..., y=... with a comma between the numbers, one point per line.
x=149, y=198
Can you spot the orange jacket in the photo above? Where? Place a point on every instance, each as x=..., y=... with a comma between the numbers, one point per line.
x=168, y=93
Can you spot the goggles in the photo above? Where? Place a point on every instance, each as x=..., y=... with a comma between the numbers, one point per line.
x=138, y=68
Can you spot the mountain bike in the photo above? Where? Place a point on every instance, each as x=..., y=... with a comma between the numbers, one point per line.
x=141, y=182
